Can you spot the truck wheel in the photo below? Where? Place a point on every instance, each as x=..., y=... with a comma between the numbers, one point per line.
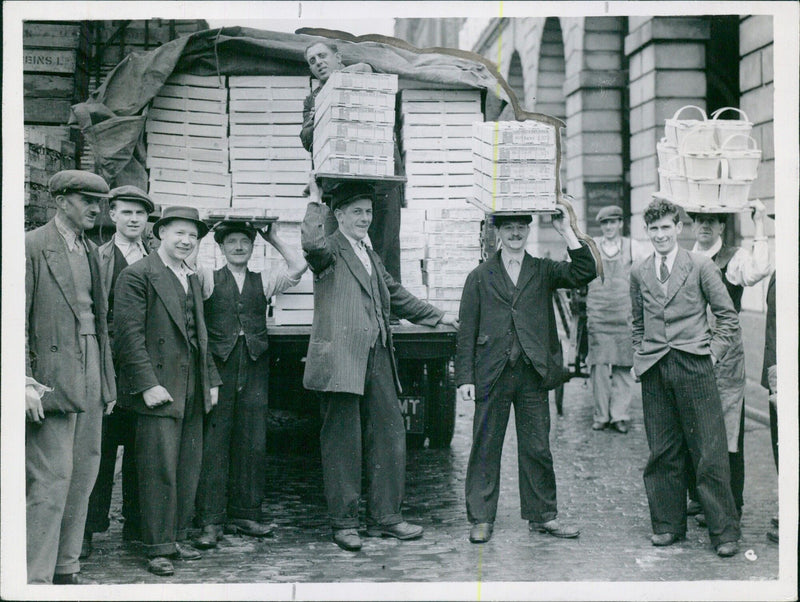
x=440, y=421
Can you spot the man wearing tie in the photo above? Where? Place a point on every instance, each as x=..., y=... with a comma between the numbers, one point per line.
x=509, y=352
x=674, y=352
x=129, y=207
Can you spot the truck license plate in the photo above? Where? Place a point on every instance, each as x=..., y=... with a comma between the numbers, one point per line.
x=413, y=410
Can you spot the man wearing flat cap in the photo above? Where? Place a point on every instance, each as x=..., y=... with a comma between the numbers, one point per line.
x=508, y=353
x=168, y=377
x=608, y=313
x=129, y=207
x=69, y=377
x=350, y=361
x=232, y=484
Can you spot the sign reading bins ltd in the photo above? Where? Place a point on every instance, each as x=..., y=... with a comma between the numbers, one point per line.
x=515, y=166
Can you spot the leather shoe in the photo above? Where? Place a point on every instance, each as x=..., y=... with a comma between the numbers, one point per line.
x=347, y=539
x=620, y=426
x=208, y=538
x=729, y=548
x=161, y=566
x=72, y=579
x=402, y=530
x=249, y=527
x=554, y=528
x=666, y=539
x=481, y=532
x=599, y=426
x=772, y=535
x=701, y=520
x=86, y=547
x=694, y=508
x=184, y=552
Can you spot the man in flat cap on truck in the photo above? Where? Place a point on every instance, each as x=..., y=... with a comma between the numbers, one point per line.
x=69, y=377
x=231, y=485
x=350, y=361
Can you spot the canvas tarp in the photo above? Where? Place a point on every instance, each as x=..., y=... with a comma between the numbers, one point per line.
x=113, y=118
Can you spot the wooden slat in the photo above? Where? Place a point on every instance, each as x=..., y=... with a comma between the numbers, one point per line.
x=45, y=60
x=269, y=81
x=46, y=110
x=175, y=91
x=37, y=85
x=180, y=116
x=186, y=129
x=270, y=94
x=190, y=104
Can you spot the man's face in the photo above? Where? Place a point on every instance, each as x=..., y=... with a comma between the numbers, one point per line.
x=663, y=233
x=514, y=234
x=79, y=210
x=237, y=248
x=354, y=218
x=707, y=229
x=611, y=228
x=130, y=218
x=323, y=61
x=179, y=238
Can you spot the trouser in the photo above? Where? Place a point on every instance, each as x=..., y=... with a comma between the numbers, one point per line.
x=773, y=430
x=234, y=441
x=61, y=459
x=372, y=421
x=611, y=389
x=683, y=414
x=168, y=456
x=384, y=232
x=736, y=462
x=521, y=385
x=119, y=428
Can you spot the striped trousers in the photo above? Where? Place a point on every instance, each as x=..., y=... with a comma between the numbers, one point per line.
x=683, y=415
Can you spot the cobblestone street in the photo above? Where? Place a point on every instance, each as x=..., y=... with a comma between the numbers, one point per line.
x=599, y=487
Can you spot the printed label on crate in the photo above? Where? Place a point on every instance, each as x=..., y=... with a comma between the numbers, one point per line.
x=354, y=147
x=330, y=96
x=354, y=114
x=514, y=152
x=363, y=81
x=364, y=166
x=515, y=132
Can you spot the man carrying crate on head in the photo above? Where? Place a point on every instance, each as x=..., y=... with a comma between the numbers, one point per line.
x=231, y=486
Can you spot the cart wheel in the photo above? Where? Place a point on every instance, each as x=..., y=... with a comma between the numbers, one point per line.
x=560, y=400
x=440, y=422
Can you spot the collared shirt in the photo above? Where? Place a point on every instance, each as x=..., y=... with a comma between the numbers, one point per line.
x=512, y=262
x=182, y=272
x=131, y=251
x=70, y=237
x=360, y=248
x=744, y=268
x=670, y=260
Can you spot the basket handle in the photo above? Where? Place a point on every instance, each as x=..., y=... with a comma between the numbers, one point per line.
x=723, y=175
x=679, y=111
x=749, y=140
x=694, y=130
x=715, y=115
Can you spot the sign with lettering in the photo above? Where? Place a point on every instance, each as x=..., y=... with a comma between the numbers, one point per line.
x=413, y=410
x=48, y=60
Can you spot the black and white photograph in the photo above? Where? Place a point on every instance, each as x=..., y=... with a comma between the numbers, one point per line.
x=289, y=266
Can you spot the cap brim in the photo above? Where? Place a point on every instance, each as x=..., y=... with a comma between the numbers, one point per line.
x=149, y=205
x=97, y=195
x=202, y=228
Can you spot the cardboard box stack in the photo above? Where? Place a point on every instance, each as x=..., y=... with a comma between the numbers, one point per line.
x=354, y=120
x=514, y=165
x=187, y=142
x=267, y=159
x=437, y=145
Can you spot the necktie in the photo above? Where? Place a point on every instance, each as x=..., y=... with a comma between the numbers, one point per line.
x=663, y=271
x=364, y=257
x=513, y=270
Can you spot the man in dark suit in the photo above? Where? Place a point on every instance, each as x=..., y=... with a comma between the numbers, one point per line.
x=509, y=352
x=69, y=377
x=350, y=362
x=674, y=352
x=129, y=207
x=168, y=377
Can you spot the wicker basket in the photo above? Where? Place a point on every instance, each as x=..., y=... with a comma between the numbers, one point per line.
x=676, y=130
x=742, y=162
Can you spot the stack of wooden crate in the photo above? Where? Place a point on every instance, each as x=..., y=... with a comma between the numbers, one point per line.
x=267, y=157
x=296, y=305
x=412, y=251
x=45, y=154
x=437, y=145
x=187, y=142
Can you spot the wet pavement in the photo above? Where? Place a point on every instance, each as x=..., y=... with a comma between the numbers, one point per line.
x=600, y=488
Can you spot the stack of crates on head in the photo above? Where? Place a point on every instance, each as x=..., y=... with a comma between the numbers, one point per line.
x=187, y=142
x=296, y=305
x=437, y=144
x=354, y=117
x=514, y=166
x=268, y=160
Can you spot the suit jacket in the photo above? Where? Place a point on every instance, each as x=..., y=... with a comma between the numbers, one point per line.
x=342, y=332
x=52, y=345
x=107, y=263
x=491, y=306
x=151, y=345
x=678, y=320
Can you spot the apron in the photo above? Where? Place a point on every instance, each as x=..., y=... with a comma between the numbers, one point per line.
x=608, y=310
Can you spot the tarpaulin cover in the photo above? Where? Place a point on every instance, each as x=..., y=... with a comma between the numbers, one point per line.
x=112, y=119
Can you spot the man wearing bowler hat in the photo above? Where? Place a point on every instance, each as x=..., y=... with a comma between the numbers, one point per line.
x=69, y=377
x=129, y=207
x=509, y=353
x=168, y=377
x=231, y=485
x=350, y=361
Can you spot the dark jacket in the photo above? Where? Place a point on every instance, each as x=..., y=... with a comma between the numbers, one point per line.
x=491, y=307
x=151, y=345
x=770, y=356
x=52, y=344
